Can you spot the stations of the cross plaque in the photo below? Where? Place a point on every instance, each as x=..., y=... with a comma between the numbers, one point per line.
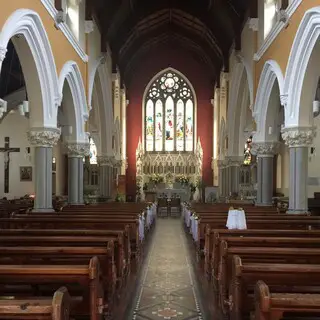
x=7, y=150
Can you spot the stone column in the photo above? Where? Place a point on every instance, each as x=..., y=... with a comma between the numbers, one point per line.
x=235, y=163
x=265, y=152
x=105, y=175
x=43, y=140
x=220, y=168
x=298, y=139
x=76, y=153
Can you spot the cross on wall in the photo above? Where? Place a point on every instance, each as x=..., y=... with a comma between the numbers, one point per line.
x=7, y=150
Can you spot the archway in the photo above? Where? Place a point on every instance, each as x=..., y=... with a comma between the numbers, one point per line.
x=24, y=29
x=266, y=144
x=72, y=117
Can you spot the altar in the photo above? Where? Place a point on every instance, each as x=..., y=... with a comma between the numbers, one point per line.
x=183, y=194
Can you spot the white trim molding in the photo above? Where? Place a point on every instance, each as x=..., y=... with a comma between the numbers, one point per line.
x=270, y=73
x=61, y=25
x=28, y=23
x=72, y=74
x=303, y=45
x=277, y=28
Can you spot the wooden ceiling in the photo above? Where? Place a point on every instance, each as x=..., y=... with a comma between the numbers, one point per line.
x=206, y=28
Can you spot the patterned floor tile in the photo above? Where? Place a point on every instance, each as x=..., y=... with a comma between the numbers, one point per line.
x=167, y=290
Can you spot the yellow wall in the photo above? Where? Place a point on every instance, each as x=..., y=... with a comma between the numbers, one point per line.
x=281, y=47
x=61, y=48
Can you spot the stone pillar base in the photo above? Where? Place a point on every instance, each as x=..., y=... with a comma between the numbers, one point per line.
x=263, y=204
x=295, y=211
x=43, y=210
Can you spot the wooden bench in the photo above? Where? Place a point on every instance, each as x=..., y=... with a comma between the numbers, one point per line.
x=40, y=308
x=245, y=275
x=80, y=223
x=285, y=253
x=273, y=306
x=87, y=277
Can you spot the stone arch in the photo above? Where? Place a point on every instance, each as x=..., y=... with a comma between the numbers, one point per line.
x=78, y=115
x=240, y=95
x=28, y=34
x=303, y=46
x=271, y=76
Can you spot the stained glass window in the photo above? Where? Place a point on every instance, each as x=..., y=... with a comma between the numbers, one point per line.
x=169, y=114
x=93, y=152
x=247, y=152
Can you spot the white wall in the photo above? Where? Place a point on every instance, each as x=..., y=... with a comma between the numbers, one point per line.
x=15, y=127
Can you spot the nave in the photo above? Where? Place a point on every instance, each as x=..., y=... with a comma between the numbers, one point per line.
x=168, y=289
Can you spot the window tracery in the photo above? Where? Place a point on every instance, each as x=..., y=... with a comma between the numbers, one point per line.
x=169, y=114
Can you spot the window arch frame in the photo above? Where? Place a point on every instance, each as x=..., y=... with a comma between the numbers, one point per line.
x=144, y=104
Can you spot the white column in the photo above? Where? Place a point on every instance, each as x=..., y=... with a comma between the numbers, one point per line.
x=76, y=153
x=123, y=130
x=265, y=152
x=298, y=139
x=43, y=140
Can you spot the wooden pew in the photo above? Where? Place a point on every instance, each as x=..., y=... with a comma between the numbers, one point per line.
x=217, y=235
x=40, y=308
x=245, y=275
x=273, y=306
x=59, y=255
x=284, y=252
x=87, y=277
x=107, y=223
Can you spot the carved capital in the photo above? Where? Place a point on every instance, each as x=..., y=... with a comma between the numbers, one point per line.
x=254, y=24
x=265, y=148
x=298, y=136
x=284, y=99
x=44, y=137
x=78, y=149
x=3, y=52
x=106, y=161
x=88, y=26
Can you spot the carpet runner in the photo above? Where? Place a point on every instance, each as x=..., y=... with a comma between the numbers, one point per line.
x=167, y=288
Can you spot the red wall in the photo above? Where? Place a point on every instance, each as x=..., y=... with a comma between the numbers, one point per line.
x=197, y=74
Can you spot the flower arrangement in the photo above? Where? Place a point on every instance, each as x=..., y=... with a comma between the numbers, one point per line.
x=184, y=180
x=156, y=178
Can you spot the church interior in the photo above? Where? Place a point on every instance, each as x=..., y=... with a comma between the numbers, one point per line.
x=158, y=159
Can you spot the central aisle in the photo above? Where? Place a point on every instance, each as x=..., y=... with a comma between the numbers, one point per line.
x=167, y=290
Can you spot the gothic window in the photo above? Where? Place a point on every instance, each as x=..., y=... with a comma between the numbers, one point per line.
x=93, y=152
x=247, y=152
x=169, y=114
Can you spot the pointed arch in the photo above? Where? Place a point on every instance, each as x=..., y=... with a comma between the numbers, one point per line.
x=270, y=74
x=71, y=73
x=305, y=40
x=44, y=80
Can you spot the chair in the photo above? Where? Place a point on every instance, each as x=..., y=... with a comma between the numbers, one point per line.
x=175, y=207
x=162, y=207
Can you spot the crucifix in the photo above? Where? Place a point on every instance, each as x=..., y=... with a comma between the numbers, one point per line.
x=7, y=150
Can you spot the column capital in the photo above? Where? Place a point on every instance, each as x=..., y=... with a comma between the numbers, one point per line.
x=235, y=161
x=44, y=137
x=298, y=136
x=265, y=148
x=106, y=160
x=78, y=150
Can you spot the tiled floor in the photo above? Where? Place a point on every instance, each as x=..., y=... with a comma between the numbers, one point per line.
x=166, y=290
